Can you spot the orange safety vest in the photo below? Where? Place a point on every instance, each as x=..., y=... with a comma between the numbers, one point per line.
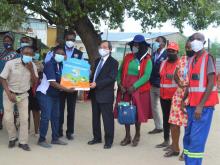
x=127, y=59
x=168, y=85
x=198, y=81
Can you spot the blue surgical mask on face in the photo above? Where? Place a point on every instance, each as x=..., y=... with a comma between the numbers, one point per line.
x=7, y=45
x=59, y=58
x=36, y=56
x=155, y=46
x=23, y=44
x=26, y=59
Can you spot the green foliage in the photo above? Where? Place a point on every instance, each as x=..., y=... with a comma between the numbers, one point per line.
x=11, y=16
x=215, y=49
x=198, y=13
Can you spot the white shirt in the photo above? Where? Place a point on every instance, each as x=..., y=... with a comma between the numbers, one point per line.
x=104, y=60
x=157, y=55
x=44, y=85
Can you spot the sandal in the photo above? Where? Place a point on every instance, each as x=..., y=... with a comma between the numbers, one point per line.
x=168, y=148
x=126, y=141
x=181, y=158
x=171, y=153
x=135, y=141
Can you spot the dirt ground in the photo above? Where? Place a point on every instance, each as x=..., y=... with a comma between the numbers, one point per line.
x=79, y=153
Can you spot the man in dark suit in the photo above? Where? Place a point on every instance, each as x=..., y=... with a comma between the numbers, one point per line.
x=102, y=95
x=71, y=52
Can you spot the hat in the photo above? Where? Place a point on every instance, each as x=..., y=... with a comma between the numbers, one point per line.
x=10, y=35
x=138, y=39
x=173, y=46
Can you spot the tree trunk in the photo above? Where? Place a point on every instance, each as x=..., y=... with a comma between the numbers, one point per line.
x=60, y=34
x=89, y=37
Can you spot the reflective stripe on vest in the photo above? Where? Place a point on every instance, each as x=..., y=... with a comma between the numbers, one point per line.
x=168, y=85
x=201, y=87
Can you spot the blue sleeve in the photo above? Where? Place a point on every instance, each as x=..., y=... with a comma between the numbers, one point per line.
x=50, y=72
x=48, y=56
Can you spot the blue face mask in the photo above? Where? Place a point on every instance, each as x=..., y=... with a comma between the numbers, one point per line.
x=26, y=59
x=7, y=45
x=36, y=56
x=59, y=58
x=23, y=44
x=155, y=46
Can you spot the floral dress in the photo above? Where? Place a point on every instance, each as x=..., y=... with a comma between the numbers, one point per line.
x=177, y=117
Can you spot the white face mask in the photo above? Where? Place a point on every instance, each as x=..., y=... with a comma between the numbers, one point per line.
x=197, y=45
x=69, y=44
x=134, y=49
x=103, y=52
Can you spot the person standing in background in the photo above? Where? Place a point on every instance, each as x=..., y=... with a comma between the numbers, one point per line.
x=159, y=54
x=168, y=87
x=7, y=54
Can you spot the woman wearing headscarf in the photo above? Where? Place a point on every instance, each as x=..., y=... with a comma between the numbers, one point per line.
x=133, y=84
x=6, y=54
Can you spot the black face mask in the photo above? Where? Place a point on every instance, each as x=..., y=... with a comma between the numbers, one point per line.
x=172, y=56
x=190, y=53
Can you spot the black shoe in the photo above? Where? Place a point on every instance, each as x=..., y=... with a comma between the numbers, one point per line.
x=24, y=147
x=69, y=137
x=12, y=143
x=1, y=126
x=163, y=145
x=155, y=131
x=107, y=146
x=92, y=142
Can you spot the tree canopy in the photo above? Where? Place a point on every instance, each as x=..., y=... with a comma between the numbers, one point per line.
x=83, y=15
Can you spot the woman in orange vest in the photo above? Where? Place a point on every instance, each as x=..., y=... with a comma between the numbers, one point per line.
x=168, y=87
x=203, y=96
x=178, y=117
x=133, y=82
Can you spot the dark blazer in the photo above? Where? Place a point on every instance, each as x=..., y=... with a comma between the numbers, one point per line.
x=76, y=53
x=155, y=74
x=105, y=81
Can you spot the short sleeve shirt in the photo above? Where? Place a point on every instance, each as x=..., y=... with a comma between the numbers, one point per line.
x=53, y=72
x=17, y=75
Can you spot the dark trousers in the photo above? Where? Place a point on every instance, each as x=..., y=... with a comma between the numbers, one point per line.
x=106, y=110
x=71, y=105
x=49, y=112
x=166, y=106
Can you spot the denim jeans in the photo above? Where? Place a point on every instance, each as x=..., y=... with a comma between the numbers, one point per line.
x=49, y=112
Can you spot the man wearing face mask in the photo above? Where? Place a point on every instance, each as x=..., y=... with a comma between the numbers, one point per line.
x=48, y=95
x=102, y=95
x=7, y=54
x=133, y=82
x=24, y=41
x=16, y=78
x=203, y=96
x=159, y=54
x=70, y=98
x=167, y=88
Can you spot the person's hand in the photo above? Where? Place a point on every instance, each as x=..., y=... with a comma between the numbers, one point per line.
x=12, y=97
x=123, y=90
x=131, y=90
x=70, y=90
x=198, y=112
x=182, y=107
x=92, y=85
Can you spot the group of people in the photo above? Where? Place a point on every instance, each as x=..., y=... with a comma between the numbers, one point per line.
x=184, y=85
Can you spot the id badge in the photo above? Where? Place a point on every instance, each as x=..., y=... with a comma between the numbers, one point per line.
x=195, y=76
x=139, y=67
x=169, y=76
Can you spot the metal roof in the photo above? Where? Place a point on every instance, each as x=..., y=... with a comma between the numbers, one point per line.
x=125, y=37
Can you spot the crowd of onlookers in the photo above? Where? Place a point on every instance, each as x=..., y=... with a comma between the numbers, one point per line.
x=184, y=86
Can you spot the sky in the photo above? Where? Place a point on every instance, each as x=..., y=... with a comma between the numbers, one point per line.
x=130, y=25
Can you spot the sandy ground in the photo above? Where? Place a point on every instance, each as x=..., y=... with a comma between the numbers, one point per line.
x=79, y=153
